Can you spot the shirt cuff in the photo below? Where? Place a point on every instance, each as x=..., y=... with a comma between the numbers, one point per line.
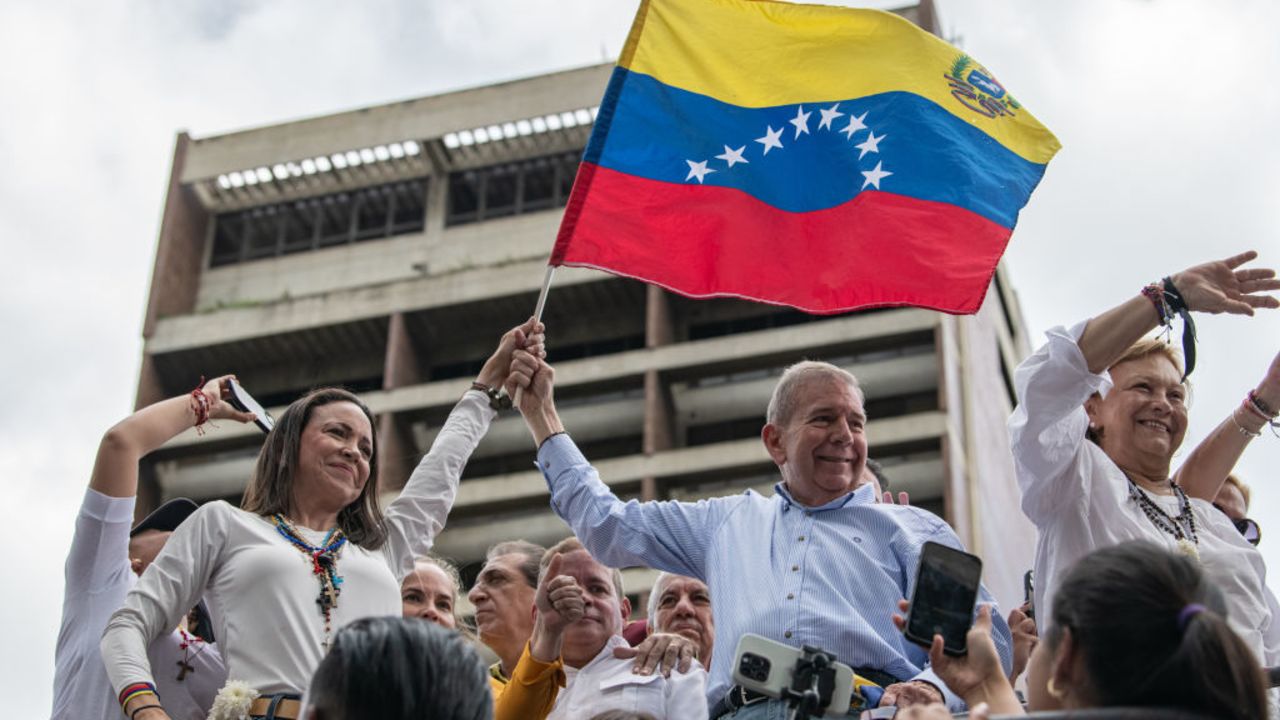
x=107, y=509
x=556, y=454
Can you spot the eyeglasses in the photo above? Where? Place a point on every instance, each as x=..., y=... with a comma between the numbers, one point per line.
x=1248, y=528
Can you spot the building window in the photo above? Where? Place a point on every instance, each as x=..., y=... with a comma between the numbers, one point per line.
x=511, y=188
x=319, y=222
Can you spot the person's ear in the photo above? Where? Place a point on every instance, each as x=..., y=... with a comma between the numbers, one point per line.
x=1093, y=408
x=1066, y=671
x=771, y=435
x=625, y=607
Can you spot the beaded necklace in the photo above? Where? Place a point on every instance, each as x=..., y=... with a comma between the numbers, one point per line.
x=1181, y=526
x=324, y=565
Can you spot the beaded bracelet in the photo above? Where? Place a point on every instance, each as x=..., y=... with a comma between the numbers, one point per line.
x=1155, y=293
x=1244, y=430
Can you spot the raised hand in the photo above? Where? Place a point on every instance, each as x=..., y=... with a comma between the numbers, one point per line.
x=217, y=391
x=976, y=676
x=529, y=337
x=1221, y=287
x=558, y=599
x=1025, y=638
x=660, y=651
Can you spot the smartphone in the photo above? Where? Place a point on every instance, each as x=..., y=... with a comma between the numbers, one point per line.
x=942, y=601
x=766, y=666
x=1029, y=593
x=241, y=400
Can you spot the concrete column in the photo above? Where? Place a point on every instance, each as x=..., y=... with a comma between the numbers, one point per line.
x=659, y=412
x=175, y=277
x=397, y=454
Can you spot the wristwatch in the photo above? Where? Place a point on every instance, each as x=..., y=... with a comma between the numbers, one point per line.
x=497, y=399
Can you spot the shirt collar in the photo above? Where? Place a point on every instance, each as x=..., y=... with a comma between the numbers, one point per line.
x=862, y=495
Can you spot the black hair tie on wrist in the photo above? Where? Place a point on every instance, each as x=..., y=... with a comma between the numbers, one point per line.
x=1178, y=304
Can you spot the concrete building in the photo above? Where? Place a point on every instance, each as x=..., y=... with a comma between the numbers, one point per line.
x=385, y=249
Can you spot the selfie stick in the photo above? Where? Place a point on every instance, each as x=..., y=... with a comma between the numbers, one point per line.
x=813, y=682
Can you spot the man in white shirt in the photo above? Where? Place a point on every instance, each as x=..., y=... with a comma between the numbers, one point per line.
x=682, y=605
x=596, y=680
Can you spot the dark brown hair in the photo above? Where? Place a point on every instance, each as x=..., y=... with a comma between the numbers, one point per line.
x=1127, y=607
x=271, y=489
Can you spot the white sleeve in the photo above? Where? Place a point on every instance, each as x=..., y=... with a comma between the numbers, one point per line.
x=687, y=694
x=99, y=555
x=168, y=589
x=418, y=514
x=1047, y=429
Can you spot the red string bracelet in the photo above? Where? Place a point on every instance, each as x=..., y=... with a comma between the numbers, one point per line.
x=200, y=406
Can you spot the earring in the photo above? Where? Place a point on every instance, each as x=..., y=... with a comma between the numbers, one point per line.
x=1057, y=692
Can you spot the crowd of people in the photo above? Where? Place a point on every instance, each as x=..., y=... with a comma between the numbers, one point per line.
x=1150, y=591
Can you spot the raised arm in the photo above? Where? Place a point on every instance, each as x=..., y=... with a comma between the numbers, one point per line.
x=1208, y=465
x=666, y=535
x=1214, y=287
x=115, y=471
x=418, y=514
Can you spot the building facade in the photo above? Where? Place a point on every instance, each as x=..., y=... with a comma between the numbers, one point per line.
x=386, y=249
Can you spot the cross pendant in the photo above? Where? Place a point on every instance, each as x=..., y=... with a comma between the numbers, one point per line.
x=185, y=668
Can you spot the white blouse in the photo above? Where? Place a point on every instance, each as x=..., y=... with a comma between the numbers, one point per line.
x=1079, y=499
x=260, y=589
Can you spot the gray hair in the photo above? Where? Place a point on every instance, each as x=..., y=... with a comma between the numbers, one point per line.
x=783, y=403
x=655, y=595
x=530, y=557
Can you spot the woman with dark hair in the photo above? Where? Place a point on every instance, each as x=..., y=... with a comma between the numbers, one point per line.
x=1135, y=626
x=310, y=551
x=1101, y=413
x=400, y=669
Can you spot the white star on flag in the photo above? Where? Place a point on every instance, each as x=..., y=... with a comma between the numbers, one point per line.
x=828, y=115
x=801, y=121
x=871, y=144
x=771, y=139
x=700, y=170
x=855, y=124
x=733, y=157
x=873, y=177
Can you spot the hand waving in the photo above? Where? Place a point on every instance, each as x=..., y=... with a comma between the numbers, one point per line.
x=1220, y=287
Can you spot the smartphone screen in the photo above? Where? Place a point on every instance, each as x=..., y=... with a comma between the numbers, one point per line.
x=242, y=400
x=945, y=592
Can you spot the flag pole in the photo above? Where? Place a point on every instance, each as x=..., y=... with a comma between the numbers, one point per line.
x=537, y=315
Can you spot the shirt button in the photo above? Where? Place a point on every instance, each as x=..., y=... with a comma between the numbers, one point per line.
x=786, y=634
x=857, y=539
x=791, y=596
x=795, y=568
x=801, y=538
x=808, y=514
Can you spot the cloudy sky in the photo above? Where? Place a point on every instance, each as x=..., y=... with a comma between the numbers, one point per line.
x=1166, y=109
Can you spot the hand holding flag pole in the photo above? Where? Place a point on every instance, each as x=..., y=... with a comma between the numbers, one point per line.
x=537, y=316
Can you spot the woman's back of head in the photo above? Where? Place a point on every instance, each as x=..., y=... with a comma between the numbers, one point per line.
x=1152, y=632
x=392, y=668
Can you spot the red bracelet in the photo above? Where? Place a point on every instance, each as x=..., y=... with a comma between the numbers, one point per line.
x=200, y=406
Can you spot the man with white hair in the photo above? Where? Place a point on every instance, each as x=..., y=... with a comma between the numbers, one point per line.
x=682, y=605
x=818, y=563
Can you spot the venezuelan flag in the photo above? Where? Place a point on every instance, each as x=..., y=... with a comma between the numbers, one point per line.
x=819, y=157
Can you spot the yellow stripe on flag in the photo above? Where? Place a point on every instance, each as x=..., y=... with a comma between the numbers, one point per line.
x=761, y=53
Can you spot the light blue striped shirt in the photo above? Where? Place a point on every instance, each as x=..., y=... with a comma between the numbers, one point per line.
x=828, y=576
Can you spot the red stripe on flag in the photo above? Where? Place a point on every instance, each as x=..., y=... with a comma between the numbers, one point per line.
x=876, y=250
